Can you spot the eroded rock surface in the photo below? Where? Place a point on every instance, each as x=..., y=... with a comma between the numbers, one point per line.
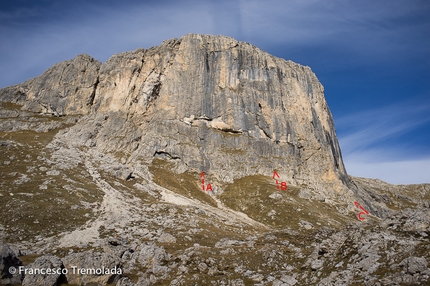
x=207, y=103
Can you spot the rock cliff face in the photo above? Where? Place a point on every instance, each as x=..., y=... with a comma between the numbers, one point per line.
x=66, y=88
x=206, y=103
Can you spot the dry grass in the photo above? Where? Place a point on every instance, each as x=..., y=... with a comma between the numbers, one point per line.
x=250, y=195
x=186, y=184
x=34, y=202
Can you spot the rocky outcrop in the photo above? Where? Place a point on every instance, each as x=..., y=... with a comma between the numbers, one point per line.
x=92, y=267
x=9, y=266
x=205, y=103
x=51, y=277
x=66, y=88
x=244, y=112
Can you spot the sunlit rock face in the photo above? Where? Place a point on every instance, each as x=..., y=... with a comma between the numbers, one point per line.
x=207, y=103
x=66, y=88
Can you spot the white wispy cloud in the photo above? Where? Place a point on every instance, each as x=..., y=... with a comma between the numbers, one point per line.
x=97, y=30
x=364, y=129
x=373, y=165
x=362, y=28
x=370, y=30
x=371, y=146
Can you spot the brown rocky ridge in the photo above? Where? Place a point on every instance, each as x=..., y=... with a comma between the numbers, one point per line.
x=102, y=168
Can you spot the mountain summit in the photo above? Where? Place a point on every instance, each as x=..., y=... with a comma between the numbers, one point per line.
x=207, y=103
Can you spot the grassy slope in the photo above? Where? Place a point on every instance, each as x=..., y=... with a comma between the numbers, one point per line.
x=35, y=202
x=251, y=196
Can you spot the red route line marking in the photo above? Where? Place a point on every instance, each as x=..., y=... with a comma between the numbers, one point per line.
x=364, y=212
x=283, y=184
x=208, y=187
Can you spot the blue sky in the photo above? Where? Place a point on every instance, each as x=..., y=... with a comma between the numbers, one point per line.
x=373, y=58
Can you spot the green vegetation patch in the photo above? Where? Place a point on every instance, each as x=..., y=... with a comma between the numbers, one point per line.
x=186, y=184
x=36, y=198
x=258, y=197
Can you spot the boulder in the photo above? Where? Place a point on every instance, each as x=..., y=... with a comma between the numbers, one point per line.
x=414, y=264
x=47, y=270
x=92, y=267
x=154, y=257
x=10, y=266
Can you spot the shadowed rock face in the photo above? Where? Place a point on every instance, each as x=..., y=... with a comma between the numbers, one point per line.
x=207, y=103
